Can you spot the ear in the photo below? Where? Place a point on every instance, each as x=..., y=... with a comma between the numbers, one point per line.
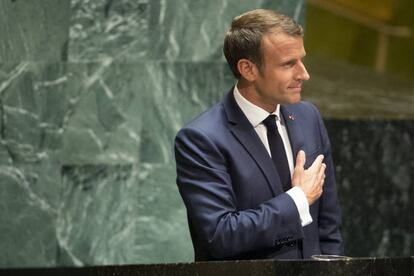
x=247, y=69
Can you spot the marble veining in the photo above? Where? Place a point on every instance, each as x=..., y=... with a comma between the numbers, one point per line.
x=174, y=30
x=374, y=168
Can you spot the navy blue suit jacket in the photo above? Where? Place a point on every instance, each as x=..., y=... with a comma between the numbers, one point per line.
x=236, y=205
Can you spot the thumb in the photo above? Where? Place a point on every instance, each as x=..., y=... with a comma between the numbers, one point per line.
x=300, y=159
x=299, y=168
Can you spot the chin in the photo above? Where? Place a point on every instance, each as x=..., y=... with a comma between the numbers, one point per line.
x=294, y=100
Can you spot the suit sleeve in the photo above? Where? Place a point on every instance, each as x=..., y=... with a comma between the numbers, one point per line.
x=207, y=190
x=329, y=219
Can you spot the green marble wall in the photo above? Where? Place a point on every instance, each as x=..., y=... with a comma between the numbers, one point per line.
x=91, y=96
x=34, y=30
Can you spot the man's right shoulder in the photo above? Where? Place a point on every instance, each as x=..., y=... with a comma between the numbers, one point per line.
x=209, y=121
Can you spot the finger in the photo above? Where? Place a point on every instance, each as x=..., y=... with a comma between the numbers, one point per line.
x=321, y=174
x=323, y=180
x=317, y=163
x=322, y=168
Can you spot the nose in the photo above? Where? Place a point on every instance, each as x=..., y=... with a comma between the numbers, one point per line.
x=302, y=73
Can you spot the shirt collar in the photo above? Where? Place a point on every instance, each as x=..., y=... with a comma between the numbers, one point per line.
x=254, y=114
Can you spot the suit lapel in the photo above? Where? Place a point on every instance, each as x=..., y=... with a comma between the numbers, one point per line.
x=247, y=136
x=292, y=123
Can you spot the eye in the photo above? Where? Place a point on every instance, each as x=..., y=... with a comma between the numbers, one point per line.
x=289, y=64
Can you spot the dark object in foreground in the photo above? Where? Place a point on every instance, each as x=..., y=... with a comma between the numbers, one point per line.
x=352, y=266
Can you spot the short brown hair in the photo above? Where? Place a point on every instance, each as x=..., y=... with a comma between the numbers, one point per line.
x=244, y=38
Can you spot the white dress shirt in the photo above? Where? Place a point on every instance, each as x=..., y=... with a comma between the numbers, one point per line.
x=256, y=115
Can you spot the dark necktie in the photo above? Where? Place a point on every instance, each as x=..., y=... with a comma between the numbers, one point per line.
x=278, y=152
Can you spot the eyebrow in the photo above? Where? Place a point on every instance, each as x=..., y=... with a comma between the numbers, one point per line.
x=292, y=59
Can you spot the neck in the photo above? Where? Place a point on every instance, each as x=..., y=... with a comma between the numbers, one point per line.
x=249, y=92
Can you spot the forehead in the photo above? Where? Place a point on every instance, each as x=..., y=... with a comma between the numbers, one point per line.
x=281, y=45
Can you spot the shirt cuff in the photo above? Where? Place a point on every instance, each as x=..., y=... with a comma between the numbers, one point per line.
x=301, y=203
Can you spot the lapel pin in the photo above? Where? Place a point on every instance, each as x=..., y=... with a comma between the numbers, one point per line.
x=291, y=117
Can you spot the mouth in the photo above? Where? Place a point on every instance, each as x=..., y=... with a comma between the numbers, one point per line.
x=296, y=85
x=295, y=88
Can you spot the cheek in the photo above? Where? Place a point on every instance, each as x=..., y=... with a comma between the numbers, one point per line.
x=283, y=82
x=282, y=77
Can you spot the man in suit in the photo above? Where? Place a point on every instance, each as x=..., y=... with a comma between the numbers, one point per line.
x=255, y=171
